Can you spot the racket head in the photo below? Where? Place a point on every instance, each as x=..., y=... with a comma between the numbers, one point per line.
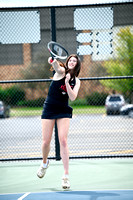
x=57, y=51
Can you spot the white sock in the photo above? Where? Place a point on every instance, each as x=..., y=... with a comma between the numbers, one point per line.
x=66, y=176
x=44, y=165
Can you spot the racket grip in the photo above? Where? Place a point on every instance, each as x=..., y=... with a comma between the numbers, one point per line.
x=51, y=60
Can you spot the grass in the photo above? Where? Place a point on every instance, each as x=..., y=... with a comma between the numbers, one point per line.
x=25, y=111
x=82, y=109
x=88, y=109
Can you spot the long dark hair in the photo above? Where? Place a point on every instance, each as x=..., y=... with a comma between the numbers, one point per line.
x=73, y=72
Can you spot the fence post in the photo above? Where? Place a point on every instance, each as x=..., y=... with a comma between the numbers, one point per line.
x=53, y=32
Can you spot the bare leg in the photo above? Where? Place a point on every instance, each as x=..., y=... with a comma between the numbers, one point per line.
x=63, y=127
x=47, y=130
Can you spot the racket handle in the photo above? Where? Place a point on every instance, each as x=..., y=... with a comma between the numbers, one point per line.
x=50, y=60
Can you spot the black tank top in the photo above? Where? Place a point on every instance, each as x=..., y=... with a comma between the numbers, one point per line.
x=57, y=92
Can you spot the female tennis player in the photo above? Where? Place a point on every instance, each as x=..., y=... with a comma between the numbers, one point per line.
x=65, y=85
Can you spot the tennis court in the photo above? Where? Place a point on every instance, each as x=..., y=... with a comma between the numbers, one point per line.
x=98, y=33
x=110, y=179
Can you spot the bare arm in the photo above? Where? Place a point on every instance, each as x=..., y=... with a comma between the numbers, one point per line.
x=72, y=93
x=56, y=66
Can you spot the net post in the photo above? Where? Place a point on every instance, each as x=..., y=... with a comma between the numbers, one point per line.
x=53, y=24
x=57, y=144
x=53, y=33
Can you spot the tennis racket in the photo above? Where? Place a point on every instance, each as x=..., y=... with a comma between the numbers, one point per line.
x=57, y=51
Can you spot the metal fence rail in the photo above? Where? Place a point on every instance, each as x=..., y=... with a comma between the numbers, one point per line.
x=82, y=79
x=102, y=36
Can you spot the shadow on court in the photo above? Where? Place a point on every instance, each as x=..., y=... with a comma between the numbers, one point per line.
x=102, y=179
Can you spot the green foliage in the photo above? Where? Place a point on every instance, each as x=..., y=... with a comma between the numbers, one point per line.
x=78, y=102
x=122, y=65
x=12, y=95
x=2, y=94
x=96, y=99
x=32, y=103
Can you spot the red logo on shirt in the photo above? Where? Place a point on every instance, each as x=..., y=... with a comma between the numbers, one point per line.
x=63, y=87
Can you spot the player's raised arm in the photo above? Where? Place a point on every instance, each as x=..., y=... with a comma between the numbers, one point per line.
x=56, y=65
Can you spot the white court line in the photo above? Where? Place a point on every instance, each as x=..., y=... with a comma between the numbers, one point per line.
x=25, y=195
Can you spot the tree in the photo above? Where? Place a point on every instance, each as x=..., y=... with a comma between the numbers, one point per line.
x=122, y=64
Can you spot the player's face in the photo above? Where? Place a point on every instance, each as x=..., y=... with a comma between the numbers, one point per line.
x=72, y=63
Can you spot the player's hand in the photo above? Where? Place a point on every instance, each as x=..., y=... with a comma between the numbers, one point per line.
x=50, y=60
x=67, y=79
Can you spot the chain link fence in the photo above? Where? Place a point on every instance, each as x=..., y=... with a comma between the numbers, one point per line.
x=102, y=36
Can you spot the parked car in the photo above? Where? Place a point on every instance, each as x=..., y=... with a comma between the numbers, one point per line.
x=4, y=110
x=127, y=110
x=113, y=103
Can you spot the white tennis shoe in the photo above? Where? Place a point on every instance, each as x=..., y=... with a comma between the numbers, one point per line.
x=42, y=171
x=65, y=183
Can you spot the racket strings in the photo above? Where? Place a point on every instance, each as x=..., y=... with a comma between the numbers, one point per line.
x=57, y=50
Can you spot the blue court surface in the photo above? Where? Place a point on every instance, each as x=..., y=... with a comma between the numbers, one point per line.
x=73, y=195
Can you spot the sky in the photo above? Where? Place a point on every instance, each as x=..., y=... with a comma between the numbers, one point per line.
x=38, y=3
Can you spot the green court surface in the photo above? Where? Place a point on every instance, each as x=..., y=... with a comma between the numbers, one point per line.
x=103, y=179
x=85, y=175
